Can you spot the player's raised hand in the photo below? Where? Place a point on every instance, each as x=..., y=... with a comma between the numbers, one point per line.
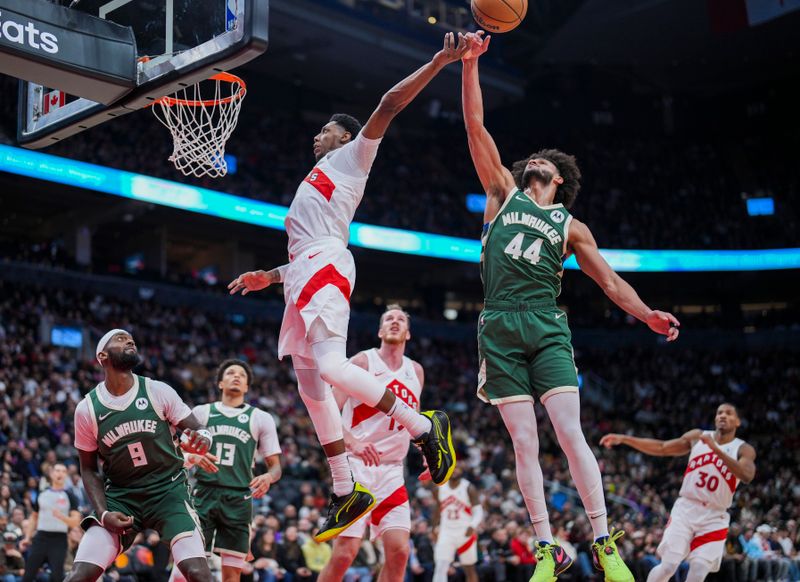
x=709, y=441
x=196, y=442
x=611, y=440
x=260, y=485
x=476, y=45
x=664, y=323
x=451, y=52
x=116, y=522
x=367, y=453
x=250, y=281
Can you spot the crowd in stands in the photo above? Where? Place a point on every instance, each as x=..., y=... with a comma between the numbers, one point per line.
x=640, y=190
x=656, y=392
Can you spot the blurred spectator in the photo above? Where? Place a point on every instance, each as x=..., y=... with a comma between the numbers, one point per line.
x=12, y=564
x=316, y=554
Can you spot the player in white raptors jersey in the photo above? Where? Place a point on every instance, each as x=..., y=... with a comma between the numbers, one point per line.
x=698, y=523
x=317, y=284
x=378, y=446
x=459, y=513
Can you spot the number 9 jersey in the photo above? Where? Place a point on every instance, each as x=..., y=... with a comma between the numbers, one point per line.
x=707, y=479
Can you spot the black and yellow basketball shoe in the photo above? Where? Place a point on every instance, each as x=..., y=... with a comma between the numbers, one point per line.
x=437, y=447
x=344, y=511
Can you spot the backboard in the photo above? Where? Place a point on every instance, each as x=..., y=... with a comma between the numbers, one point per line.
x=179, y=42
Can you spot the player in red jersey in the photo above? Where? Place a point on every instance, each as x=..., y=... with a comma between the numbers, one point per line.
x=378, y=446
x=317, y=284
x=698, y=523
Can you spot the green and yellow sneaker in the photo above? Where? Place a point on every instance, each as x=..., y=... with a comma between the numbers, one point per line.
x=437, y=447
x=344, y=511
x=605, y=557
x=551, y=560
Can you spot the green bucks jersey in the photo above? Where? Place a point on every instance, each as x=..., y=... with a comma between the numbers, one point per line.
x=135, y=444
x=523, y=250
x=234, y=445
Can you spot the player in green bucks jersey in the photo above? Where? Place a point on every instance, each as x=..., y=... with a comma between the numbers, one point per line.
x=524, y=342
x=131, y=466
x=226, y=485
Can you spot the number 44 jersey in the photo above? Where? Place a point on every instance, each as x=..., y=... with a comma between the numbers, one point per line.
x=707, y=479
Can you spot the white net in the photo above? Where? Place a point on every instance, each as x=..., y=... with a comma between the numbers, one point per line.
x=200, y=127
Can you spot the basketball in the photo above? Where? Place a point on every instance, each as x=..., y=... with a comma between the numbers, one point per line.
x=499, y=15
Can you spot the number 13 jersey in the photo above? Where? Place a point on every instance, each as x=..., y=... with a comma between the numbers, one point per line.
x=369, y=425
x=707, y=479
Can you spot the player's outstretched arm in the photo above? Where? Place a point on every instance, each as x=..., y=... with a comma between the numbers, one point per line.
x=744, y=467
x=113, y=521
x=658, y=448
x=495, y=178
x=257, y=280
x=399, y=96
x=615, y=287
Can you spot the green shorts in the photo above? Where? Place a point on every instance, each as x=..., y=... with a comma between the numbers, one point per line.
x=524, y=349
x=225, y=515
x=167, y=509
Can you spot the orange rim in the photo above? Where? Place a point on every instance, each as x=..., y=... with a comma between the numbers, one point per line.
x=223, y=76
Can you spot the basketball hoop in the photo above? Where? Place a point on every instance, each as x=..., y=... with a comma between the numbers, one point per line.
x=201, y=127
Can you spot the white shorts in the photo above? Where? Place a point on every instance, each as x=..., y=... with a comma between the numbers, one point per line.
x=317, y=284
x=695, y=530
x=387, y=484
x=456, y=544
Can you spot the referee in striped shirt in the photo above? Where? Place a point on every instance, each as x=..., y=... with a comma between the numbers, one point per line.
x=54, y=513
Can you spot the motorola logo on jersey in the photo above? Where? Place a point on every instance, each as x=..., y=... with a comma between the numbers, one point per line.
x=242, y=418
x=28, y=34
x=557, y=216
x=141, y=403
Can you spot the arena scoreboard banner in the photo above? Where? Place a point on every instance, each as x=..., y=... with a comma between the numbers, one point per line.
x=209, y=202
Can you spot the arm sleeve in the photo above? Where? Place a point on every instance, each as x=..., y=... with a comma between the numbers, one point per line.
x=266, y=433
x=173, y=408
x=85, y=428
x=201, y=413
x=73, y=501
x=355, y=158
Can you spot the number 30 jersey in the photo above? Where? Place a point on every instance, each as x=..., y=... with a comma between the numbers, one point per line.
x=522, y=250
x=707, y=479
x=238, y=433
x=369, y=425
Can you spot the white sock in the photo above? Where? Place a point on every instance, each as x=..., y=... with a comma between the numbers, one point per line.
x=564, y=410
x=415, y=423
x=341, y=474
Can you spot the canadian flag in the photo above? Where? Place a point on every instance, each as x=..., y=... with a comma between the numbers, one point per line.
x=53, y=100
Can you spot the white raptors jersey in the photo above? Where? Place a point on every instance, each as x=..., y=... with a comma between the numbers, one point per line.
x=327, y=198
x=369, y=425
x=707, y=479
x=454, y=506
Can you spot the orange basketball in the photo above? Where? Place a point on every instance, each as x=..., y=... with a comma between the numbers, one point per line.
x=499, y=15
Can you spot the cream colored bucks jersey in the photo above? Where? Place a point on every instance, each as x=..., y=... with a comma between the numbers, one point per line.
x=523, y=250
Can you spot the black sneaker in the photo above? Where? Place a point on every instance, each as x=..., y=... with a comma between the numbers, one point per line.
x=344, y=511
x=437, y=447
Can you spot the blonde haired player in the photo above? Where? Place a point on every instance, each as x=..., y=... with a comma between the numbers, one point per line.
x=698, y=523
x=379, y=446
x=317, y=284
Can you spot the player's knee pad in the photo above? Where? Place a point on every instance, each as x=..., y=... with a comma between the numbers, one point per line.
x=188, y=546
x=668, y=567
x=332, y=368
x=232, y=561
x=98, y=547
x=325, y=415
